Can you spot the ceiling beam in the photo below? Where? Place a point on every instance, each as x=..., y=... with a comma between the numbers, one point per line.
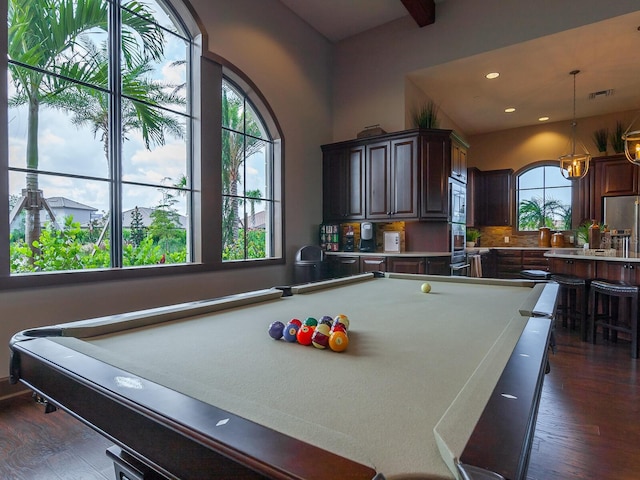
x=422, y=11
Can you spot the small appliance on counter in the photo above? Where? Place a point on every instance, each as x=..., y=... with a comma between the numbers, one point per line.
x=349, y=239
x=367, y=237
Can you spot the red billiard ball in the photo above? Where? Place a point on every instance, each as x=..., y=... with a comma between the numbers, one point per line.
x=320, y=338
x=296, y=322
x=304, y=334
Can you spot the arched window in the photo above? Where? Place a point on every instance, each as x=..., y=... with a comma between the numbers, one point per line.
x=543, y=198
x=109, y=130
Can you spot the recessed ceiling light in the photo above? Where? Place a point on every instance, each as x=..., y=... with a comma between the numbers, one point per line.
x=543, y=119
x=509, y=110
x=492, y=75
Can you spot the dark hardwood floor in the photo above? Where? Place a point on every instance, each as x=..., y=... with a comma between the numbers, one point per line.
x=588, y=425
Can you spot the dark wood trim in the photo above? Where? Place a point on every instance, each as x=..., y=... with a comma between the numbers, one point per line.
x=422, y=11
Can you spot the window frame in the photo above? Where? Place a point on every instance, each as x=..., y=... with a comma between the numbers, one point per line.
x=207, y=69
x=516, y=190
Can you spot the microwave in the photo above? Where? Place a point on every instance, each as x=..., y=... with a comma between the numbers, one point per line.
x=457, y=202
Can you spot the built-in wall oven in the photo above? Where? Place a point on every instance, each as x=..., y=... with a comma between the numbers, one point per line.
x=458, y=227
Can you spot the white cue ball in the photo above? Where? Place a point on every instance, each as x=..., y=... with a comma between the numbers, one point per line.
x=426, y=287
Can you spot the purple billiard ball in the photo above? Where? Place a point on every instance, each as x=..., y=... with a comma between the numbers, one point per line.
x=290, y=332
x=276, y=329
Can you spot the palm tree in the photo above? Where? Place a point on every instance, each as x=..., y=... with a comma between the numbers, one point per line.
x=253, y=197
x=236, y=148
x=535, y=213
x=45, y=49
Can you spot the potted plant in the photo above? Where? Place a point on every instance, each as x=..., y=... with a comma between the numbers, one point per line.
x=600, y=138
x=617, y=143
x=472, y=237
x=426, y=116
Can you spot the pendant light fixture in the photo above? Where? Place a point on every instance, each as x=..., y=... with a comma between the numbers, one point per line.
x=574, y=166
x=632, y=144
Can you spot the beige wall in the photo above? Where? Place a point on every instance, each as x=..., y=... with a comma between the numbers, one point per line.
x=291, y=65
x=370, y=69
x=519, y=147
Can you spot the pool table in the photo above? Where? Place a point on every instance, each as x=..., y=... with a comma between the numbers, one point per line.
x=443, y=384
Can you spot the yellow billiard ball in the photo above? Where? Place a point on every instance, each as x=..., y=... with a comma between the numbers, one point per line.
x=426, y=287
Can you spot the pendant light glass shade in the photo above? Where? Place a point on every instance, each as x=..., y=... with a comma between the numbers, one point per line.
x=632, y=144
x=574, y=166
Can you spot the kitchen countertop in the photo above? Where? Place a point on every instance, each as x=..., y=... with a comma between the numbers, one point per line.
x=577, y=253
x=390, y=254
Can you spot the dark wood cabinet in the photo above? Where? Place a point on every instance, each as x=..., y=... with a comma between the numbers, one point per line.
x=373, y=264
x=392, y=179
x=343, y=183
x=438, y=265
x=459, y=161
x=609, y=176
x=508, y=263
x=406, y=265
x=343, y=265
x=403, y=175
x=576, y=267
x=619, y=272
x=493, y=204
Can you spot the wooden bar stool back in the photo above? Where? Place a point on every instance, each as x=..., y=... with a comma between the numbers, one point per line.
x=614, y=307
x=574, y=302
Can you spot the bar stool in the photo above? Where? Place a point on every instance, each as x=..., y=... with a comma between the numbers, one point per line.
x=574, y=302
x=614, y=307
x=535, y=274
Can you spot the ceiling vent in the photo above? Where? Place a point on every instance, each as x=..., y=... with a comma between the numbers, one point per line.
x=601, y=93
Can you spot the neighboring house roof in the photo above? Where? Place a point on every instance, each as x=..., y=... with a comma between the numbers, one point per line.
x=145, y=213
x=257, y=221
x=62, y=202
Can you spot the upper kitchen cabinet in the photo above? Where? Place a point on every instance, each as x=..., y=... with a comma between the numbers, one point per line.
x=609, y=176
x=492, y=198
x=403, y=175
x=343, y=183
x=392, y=179
x=438, y=150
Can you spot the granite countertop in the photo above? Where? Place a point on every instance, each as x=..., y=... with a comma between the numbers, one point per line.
x=391, y=254
x=578, y=253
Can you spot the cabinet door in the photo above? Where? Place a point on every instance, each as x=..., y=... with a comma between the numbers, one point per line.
x=576, y=267
x=534, y=260
x=459, y=162
x=343, y=184
x=618, y=177
x=495, y=198
x=508, y=263
x=619, y=272
x=406, y=265
x=435, y=164
x=373, y=264
x=343, y=266
x=333, y=185
x=438, y=266
x=404, y=178
x=378, y=181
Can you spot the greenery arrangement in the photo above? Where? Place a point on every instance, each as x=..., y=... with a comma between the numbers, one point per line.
x=427, y=115
x=535, y=213
x=473, y=234
x=600, y=138
x=617, y=143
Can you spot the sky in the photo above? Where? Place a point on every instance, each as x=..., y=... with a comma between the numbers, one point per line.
x=64, y=147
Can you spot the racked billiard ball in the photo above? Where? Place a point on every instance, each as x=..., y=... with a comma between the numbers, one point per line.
x=343, y=319
x=290, y=332
x=338, y=341
x=304, y=334
x=296, y=321
x=320, y=338
x=327, y=320
x=276, y=329
x=311, y=322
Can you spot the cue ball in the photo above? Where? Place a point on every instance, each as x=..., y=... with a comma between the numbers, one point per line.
x=275, y=330
x=426, y=287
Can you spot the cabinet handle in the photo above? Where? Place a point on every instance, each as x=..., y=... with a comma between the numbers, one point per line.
x=630, y=267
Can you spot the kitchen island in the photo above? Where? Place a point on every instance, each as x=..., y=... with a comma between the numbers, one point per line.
x=591, y=264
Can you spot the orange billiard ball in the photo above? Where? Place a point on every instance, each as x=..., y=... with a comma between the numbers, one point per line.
x=338, y=341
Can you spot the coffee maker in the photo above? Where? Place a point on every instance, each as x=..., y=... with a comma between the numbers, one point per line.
x=367, y=237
